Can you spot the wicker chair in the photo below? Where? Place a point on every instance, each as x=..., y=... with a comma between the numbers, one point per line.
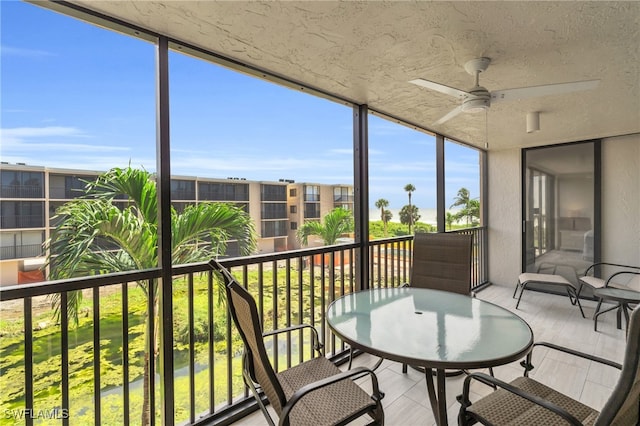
x=441, y=261
x=314, y=392
x=526, y=401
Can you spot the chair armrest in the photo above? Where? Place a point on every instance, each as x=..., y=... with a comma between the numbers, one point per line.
x=575, y=353
x=592, y=266
x=492, y=381
x=606, y=284
x=376, y=395
x=579, y=354
x=318, y=344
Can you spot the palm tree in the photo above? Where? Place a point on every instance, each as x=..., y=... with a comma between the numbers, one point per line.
x=470, y=208
x=387, y=218
x=96, y=237
x=382, y=204
x=410, y=188
x=449, y=219
x=409, y=214
x=337, y=222
x=473, y=211
x=462, y=198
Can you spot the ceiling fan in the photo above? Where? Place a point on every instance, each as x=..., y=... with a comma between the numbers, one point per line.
x=478, y=98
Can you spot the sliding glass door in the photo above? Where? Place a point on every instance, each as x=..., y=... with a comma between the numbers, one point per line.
x=561, y=214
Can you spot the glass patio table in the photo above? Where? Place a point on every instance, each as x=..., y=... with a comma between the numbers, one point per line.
x=434, y=329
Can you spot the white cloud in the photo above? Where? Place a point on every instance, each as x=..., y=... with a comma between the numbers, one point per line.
x=24, y=52
x=22, y=141
x=18, y=133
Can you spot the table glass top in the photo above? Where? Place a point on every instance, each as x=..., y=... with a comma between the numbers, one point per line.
x=622, y=294
x=429, y=327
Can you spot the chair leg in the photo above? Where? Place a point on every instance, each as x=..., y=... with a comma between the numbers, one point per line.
x=574, y=299
x=598, y=313
x=524, y=287
x=516, y=290
x=580, y=285
x=256, y=395
x=350, y=357
x=597, y=308
x=625, y=310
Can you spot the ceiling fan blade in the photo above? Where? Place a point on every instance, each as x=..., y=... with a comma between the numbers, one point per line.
x=545, y=90
x=451, y=91
x=457, y=110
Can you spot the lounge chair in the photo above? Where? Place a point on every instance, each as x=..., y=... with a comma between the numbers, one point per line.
x=549, y=279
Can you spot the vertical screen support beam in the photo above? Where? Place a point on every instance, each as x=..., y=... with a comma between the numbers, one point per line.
x=597, y=199
x=361, y=193
x=440, y=195
x=164, y=231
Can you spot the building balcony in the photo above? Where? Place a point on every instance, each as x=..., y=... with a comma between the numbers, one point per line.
x=21, y=251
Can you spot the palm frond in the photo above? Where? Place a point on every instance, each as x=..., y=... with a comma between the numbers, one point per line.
x=337, y=222
x=138, y=185
x=214, y=222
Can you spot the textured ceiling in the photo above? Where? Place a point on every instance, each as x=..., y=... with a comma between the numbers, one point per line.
x=366, y=52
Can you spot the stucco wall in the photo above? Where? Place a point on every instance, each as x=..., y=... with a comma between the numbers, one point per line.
x=620, y=207
x=504, y=216
x=621, y=200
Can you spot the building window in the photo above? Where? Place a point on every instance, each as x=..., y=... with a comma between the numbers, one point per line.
x=293, y=209
x=21, y=184
x=294, y=226
x=274, y=211
x=293, y=192
x=273, y=193
x=311, y=193
x=21, y=244
x=311, y=211
x=22, y=214
x=183, y=189
x=223, y=191
x=75, y=186
x=343, y=194
x=276, y=228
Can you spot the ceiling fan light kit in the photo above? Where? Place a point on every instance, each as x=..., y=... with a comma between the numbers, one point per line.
x=479, y=98
x=478, y=101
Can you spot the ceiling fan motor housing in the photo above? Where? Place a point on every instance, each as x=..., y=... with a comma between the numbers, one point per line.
x=477, y=100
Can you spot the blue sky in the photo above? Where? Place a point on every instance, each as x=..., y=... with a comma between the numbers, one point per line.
x=77, y=96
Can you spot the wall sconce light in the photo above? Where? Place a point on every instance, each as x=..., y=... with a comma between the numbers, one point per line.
x=533, y=121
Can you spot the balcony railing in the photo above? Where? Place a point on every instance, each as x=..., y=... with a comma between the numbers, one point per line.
x=343, y=198
x=92, y=372
x=19, y=252
x=21, y=191
x=22, y=221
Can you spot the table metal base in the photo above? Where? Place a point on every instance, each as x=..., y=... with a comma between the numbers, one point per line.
x=437, y=394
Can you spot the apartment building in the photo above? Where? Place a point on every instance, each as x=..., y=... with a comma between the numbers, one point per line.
x=30, y=195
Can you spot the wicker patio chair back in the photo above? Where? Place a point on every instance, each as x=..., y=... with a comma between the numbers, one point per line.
x=623, y=406
x=442, y=261
x=244, y=312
